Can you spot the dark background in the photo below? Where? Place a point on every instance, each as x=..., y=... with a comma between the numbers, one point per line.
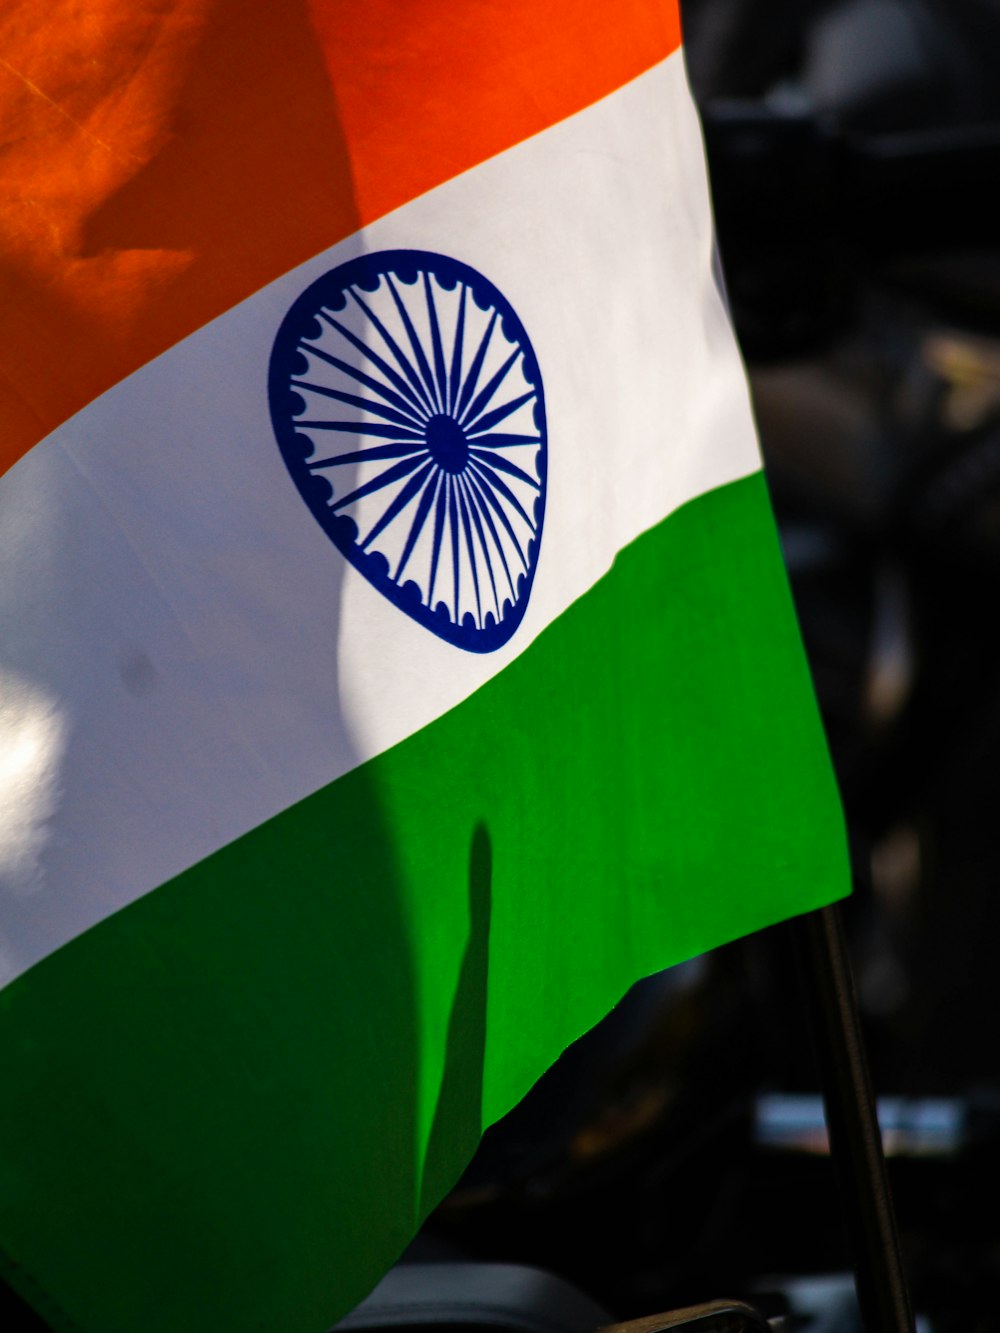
x=854, y=149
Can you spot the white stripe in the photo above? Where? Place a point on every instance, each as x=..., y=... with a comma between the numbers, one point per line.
x=205, y=655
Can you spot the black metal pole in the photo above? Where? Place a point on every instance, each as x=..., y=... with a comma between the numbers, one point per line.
x=855, y=1142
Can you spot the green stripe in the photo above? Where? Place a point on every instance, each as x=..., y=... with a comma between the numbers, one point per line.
x=229, y=1105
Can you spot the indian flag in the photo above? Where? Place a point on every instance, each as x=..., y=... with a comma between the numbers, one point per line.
x=396, y=660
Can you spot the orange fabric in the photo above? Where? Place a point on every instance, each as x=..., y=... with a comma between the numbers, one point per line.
x=163, y=159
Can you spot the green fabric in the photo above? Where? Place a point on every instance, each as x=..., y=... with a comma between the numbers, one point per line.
x=228, y=1106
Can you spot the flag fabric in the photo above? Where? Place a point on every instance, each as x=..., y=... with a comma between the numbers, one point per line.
x=396, y=660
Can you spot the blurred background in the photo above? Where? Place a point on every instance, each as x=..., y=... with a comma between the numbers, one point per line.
x=678, y=1152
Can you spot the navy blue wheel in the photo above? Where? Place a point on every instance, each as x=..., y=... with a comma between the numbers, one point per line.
x=408, y=406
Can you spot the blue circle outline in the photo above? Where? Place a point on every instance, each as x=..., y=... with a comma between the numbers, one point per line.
x=365, y=272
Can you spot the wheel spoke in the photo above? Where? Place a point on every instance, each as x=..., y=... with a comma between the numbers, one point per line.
x=505, y=465
x=366, y=404
x=453, y=521
x=365, y=428
x=491, y=419
x=384, y=479
x=485, y=395
x=470, y=548
x=497, y=484
x=486, y=490
x=417, y=526
x=501, y=440
x=391, y=375
x=401, y=449
x=440, y=509
x=483, y=508
x=402, y=360
x=408, y=493
x=441, y=374
x=415, y=343
x=472, y=378
x=405, y=404
x=474, y=511
x=454, y=380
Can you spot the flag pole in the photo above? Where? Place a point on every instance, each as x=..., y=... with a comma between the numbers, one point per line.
x=820, y=949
